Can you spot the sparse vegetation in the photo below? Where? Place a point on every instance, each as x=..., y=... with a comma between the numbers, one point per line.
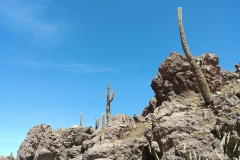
x=136, y=132
x=233, y=84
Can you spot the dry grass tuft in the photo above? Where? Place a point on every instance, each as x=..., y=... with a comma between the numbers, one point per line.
x=137, y=132
x=234, y=85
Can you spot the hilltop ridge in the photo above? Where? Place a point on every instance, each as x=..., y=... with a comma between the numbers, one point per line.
x=175, y=125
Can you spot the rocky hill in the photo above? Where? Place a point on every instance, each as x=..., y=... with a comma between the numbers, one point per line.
x=10, y=157
x=176, y=124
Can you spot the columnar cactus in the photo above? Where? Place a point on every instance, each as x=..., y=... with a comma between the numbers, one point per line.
x=109, y=99
x=201, y=81
x=97, y=123
x=103, y=129
x=80, y=120
x=10, y=157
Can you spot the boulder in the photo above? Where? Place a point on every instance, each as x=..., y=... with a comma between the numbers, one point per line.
x=175, y=76
x=44, y=143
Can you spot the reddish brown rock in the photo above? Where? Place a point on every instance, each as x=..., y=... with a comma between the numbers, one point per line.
x=175, y=76
x=151, y=107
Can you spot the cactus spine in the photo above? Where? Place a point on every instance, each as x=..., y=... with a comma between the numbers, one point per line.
x=201, y=81
x=97, y=123
x=109, y=99
x=80, y=120
x=103, y=129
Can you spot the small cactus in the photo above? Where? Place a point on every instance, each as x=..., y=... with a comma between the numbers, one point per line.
x=80, y=120
x=103, y=129
x=109, y=99
x=10, y=157
x=97, y=123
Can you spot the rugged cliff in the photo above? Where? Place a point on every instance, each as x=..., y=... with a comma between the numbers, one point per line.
x=182, y=126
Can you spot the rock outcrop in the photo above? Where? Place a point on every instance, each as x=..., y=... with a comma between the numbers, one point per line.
x=175, y=76
x=151, y=107
x=175, y=125
x=44, y=143
x=3, y=158
x=10, y=157
x=181, y=125
x=181, y=131
x=84, y=143
x=7, y=158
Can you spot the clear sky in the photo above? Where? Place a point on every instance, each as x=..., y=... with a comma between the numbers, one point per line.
x=57, y=57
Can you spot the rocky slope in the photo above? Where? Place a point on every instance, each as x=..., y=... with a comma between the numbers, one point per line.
x=182, y=127
x=43, y=143
x=175, y=125
x=10, y=157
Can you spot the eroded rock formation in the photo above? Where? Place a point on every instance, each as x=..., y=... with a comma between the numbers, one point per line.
x=175, y=76
x=43, y=143
x=182, y=127
x=177, y=125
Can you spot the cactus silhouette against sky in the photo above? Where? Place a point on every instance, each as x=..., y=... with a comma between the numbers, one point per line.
x=109, y=99
x=201, y=81
x=97, y=123
x=80, y=120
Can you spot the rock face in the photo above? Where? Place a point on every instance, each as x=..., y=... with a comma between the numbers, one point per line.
x=175, y=76
x=181, y=126
x=151, y=107
x=114, y=147
x=43, y=143
x=180, y=131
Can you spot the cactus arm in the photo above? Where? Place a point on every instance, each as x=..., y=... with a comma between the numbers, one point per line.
x=201, y=81
x=113, y=93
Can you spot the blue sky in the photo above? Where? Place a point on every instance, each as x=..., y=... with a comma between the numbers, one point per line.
x=57, y=57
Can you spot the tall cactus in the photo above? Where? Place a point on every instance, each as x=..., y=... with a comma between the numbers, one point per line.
x=80, y=120
x=97, y=123
x=103, y=129
x=109, y=99
x=201, y=81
